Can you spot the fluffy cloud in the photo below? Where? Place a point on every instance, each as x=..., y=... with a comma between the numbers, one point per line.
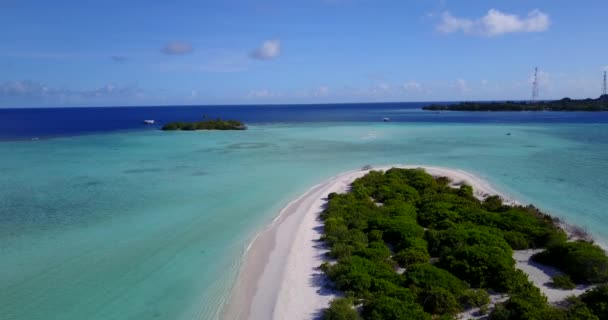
x=177, y=47
x=451, y=24
x=270, y=49
x=495, y=23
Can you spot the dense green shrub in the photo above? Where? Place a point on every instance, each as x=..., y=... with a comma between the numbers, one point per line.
x=444, y=241
x=482, y=266
x=583, y=261
x=396, y=208
x=596, y=300
x=439, y=301
x=563, y=281
x=386, y=308
x=576, y=309
x=341, y=309
x=465, y=191
x=376, y=251
x=379, y=224
x=396, y=231
x=381, y=287
x=474, y=298
x=494, y=204
x=375, y=235
x=517, y=240
x=411, y=256
x=356, y=274
x=529, y=304
x=427, y=276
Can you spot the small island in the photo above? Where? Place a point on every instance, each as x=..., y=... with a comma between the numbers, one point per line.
x=217, y=124
x=565, y=104
x=407, y=245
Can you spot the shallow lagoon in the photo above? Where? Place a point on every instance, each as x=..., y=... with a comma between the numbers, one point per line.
x=153, y=225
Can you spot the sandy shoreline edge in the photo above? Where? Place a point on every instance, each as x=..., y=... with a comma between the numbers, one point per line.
x=280, y=278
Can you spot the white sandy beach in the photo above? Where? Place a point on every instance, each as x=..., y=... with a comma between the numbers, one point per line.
x=541, y=276
x=280, y=277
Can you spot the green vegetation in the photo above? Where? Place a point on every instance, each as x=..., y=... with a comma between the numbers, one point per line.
x=597, y=301
x=408, y=246
x=565, y=104
x=583, y=261
x=217, y=124
x=341, y=309
x=563, y=281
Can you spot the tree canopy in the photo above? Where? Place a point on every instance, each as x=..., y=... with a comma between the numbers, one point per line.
x=565, y=104
x=408, y=246
x=217, y=124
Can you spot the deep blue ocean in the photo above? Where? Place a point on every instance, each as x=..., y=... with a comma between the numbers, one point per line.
x=103, y=217
x=49, y=122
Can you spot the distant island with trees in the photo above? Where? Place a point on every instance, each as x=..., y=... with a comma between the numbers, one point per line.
x=217, y=124
x=451, y=251
x=565, y=104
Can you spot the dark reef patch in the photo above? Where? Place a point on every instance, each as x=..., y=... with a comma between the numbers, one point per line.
x=249, y=145
x=142, y=170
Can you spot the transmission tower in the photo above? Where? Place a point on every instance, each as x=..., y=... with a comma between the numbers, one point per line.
x=605, y=86
x=535, y=85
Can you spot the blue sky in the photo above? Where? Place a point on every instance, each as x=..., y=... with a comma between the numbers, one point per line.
x=95, y=53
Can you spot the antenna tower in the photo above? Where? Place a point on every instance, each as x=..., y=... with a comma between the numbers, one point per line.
x=605, y=86
x=535, y=85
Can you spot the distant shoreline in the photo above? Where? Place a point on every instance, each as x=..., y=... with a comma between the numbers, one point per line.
x=564, y=105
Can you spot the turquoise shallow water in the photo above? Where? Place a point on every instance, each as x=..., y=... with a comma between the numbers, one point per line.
x=153, y=225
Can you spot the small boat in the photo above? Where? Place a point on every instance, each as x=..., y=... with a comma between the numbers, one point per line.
x=386, y=119
x=148, y=121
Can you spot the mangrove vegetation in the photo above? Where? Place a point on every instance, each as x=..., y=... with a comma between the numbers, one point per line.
x=217, y=124
x=407, y=245
x=565, y=104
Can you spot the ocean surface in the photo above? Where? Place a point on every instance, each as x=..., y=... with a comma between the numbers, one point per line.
x=102, y=217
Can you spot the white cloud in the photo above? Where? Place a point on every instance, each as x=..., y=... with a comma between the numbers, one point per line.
x=36, y=90
x=177, y=47
x=495, y=23
x=270, y=49
x=412, y=86
x=262, y=94
x=461, y=85
x=451, y=24
x=381, y=88
x=321, y=91
x=23, y=88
